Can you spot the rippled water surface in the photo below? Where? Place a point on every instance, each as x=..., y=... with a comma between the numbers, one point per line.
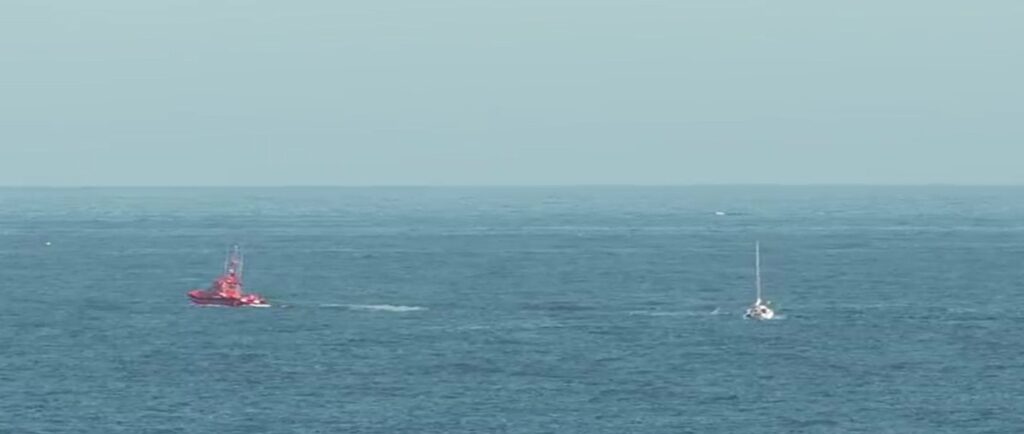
x=506, y=310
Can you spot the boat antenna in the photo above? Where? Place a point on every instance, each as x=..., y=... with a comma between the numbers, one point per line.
x=240, y=263
x=233, y=260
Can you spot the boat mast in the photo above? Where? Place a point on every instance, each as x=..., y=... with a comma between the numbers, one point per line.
x=233, y=261
x=757, y=268
x=240, y=262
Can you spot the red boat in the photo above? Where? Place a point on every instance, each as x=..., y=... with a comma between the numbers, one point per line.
x=227, y=289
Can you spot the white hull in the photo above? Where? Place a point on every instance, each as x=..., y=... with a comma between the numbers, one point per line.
x=760, y=312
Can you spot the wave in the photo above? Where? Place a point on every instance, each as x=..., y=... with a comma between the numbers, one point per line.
x=557, y=306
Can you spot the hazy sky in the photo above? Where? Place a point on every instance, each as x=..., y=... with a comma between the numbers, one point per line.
x=214, y=92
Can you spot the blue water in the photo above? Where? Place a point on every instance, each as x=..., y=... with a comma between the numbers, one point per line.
x=505, y=310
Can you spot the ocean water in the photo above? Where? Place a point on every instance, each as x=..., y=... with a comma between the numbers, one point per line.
x=514, y=310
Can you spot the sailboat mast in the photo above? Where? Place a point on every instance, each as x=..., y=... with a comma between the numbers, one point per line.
x=757, y=267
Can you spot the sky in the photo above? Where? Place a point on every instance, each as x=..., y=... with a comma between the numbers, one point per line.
x=525, y=92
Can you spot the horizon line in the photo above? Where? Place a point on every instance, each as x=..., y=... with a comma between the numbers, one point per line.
x=582, y=185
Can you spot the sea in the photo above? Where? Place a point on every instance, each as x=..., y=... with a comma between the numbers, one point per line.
x=514, y=310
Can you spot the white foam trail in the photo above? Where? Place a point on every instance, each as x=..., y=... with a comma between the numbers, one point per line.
x=385, y=307
x=677, y=313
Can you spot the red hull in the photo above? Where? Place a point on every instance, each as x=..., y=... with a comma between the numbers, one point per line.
x=206, y=298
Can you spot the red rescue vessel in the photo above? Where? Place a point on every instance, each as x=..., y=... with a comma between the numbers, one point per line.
x=227, y=289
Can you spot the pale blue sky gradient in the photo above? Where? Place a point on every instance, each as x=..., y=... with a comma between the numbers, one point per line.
x=328, y=92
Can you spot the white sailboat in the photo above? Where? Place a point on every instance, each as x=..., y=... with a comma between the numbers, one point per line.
x=760, y=309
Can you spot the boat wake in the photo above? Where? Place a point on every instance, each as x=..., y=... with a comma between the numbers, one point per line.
x=376, y=307
x=717, y=311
